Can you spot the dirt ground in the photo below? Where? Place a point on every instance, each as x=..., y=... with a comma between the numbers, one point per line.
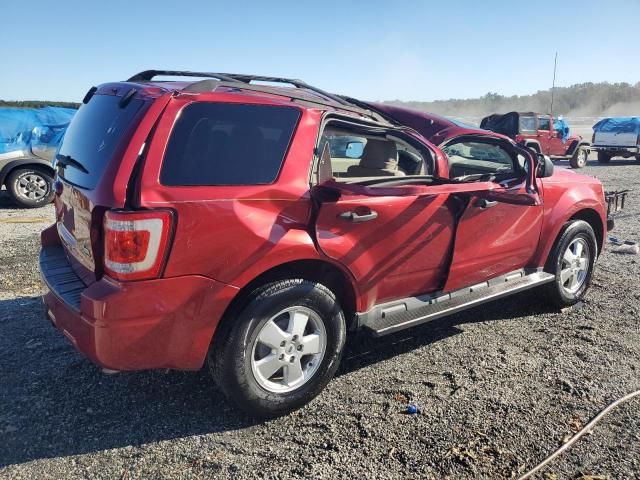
x=498, y=388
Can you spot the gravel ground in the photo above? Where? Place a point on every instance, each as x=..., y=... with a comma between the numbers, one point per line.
x=498, y=387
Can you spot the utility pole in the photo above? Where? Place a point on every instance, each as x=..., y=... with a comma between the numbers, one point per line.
x=553, y=85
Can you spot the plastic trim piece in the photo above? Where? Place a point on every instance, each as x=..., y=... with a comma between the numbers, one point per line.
x=393, y=316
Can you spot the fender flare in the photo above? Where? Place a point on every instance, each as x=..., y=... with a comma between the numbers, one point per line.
x=20, y=162
x=575, y=144
x=569, y=210
x=529, y=143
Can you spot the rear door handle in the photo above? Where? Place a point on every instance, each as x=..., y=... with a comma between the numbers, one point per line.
x=356, y=217
x=484, y=203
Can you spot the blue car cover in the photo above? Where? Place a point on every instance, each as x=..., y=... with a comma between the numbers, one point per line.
x=26, y=129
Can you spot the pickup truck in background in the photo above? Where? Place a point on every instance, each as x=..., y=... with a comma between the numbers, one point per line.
x=541, y=133
x=617, y=137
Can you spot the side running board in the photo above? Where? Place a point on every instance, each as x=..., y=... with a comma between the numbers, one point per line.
x=398, y=315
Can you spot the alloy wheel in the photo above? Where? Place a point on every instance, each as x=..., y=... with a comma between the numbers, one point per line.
x=575, y=265
x=288, y=349
x=32, y=186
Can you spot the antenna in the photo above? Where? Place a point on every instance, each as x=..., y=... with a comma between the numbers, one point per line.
x=553, y=85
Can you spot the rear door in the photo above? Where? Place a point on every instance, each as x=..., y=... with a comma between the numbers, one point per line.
x=94, y=146
x=396, y=242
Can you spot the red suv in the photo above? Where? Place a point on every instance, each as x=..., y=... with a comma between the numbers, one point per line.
x=255, y=225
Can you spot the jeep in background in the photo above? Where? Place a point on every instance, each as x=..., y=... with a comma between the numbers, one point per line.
x=253, y=227
x=616, y=137
x=539, y=133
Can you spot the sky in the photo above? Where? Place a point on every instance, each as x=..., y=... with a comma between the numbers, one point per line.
x=374, y=50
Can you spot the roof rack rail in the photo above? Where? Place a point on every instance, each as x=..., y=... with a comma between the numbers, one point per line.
x=148, y=75
x=242, y=82
x=291, y=81
x=210, y=85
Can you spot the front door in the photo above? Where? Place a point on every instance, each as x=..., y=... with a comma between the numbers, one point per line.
x=500, y=227
x=544, y=133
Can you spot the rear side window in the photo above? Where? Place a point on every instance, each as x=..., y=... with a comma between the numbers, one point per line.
x=228, y=144
x=96, y=132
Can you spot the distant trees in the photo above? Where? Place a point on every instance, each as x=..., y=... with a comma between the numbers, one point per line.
x=37, y=104
x=583, y=99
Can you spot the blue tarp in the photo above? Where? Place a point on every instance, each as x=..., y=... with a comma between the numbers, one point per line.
x=618, y=125
x=562, y=127
x=23, y=129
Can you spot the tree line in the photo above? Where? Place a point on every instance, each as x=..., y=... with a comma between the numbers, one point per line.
x=582, y=99
x=37, y=104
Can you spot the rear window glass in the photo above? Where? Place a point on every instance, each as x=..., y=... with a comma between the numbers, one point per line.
x=527, y=124
x=96, y=131
x=228, y=144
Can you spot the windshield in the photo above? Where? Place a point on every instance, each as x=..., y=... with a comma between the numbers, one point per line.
x=96, y=131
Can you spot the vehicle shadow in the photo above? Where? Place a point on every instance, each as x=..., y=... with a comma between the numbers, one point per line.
x=54, y=402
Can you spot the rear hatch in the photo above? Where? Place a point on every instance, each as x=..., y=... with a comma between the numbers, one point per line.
x=616, y=133
x=88, y=164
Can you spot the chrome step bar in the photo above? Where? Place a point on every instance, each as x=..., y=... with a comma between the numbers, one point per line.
x=398, y=315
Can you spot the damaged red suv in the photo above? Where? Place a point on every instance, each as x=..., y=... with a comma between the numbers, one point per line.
x=252, y=222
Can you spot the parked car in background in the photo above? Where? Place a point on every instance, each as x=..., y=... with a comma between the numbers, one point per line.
x=617, y=137
x=541, y=133
x=262, y=224
x=28, y=140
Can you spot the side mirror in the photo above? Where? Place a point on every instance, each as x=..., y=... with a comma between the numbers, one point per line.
x=545, y=166
x=354, y=149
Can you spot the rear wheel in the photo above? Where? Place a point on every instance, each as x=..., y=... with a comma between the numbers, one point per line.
x=572, y=261
x=638, y=158
x=30, y=187
x=282, y=349
x=603, y=157
x=579, y=158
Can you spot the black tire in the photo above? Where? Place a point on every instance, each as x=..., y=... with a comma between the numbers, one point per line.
x=232, y=352
x=603, y=157
x=638, y=158
x=30, y=187
x=574, y=231
x=579, y=158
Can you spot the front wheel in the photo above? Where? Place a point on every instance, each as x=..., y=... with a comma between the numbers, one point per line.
x=572, y=261
x=30, y=187
x=282, y=349
x=579, y=158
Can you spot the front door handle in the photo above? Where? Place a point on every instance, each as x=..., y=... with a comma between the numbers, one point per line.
x=357, y=217
x=484, y=203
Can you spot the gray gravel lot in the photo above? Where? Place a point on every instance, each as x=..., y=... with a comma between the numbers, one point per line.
x=499, y=387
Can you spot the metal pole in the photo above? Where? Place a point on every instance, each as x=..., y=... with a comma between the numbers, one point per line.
x=553, y=85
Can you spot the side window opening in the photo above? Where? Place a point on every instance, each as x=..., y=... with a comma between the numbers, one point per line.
x=228, y=144
x=358, y=153
x=527, y=124
x=469, y=157
x=544, y=123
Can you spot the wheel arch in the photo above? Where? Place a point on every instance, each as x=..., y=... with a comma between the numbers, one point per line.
x=317, y=270
x=533, y=144
x=6, y=170
x=592, y=217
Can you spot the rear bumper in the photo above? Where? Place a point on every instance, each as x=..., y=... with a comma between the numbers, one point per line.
x=162, y=323
x=616, y=150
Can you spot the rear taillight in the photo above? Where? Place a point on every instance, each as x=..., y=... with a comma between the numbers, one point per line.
x=136, y=243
